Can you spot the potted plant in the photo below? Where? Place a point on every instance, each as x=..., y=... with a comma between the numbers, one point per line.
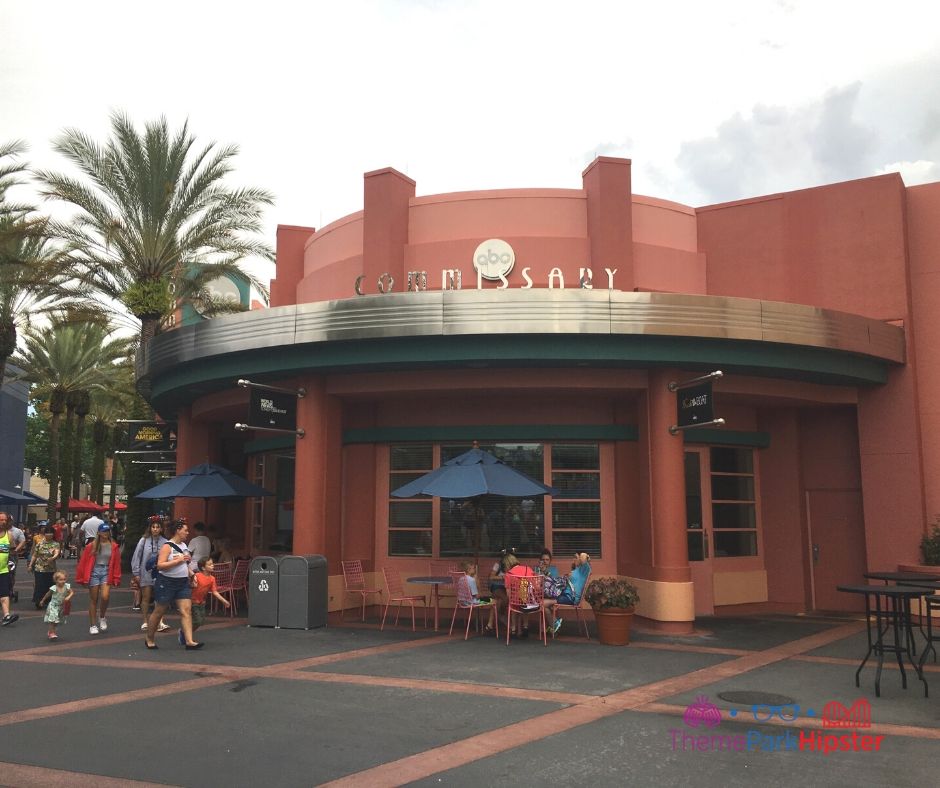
x=929, y=551
x=613, y=600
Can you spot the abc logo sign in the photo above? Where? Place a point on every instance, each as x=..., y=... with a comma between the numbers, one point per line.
x=494, y=259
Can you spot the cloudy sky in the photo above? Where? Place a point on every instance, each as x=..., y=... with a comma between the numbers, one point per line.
x=712, y=101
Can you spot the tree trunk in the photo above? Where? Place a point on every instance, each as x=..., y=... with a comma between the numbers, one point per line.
x=56, y=407
x=7, y=346
x=65, y=462
x=137, y=480
x=99, y=437
x=82, y=406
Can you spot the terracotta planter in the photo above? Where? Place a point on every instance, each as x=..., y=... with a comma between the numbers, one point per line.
x=613, y=626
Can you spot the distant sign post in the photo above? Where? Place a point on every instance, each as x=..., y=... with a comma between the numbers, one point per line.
x=695, y=403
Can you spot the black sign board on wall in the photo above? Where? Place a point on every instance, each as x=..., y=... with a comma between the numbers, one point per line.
x=151, y=436
x=694, y=405
x=273, y=409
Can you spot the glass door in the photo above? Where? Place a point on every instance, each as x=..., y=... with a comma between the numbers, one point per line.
x=699, y=531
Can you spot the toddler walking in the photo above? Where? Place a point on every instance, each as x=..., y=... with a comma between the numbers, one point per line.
x=55, y=602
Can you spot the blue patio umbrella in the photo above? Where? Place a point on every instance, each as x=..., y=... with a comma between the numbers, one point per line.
x=475, y=472
x=206, y=481
x=17, y=499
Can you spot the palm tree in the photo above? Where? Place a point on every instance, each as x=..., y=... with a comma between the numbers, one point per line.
x=11, y=172
x=107, y=406
x=34, y=274
x=156, y=221
x=61, y=359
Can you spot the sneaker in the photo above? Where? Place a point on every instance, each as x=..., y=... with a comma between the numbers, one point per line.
x=182, y=638
x=92, y=630
x=556, y=626
x=143, y=627
x=103, y=625
x=163, y=627
x=136, y=608
x=53, y=636
x=9, y=619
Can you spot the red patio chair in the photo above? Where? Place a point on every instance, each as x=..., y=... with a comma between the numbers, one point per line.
x=355, y=584
x=240, y=581
x=396, y=593
x=576, y=607
x=525, y=598
x=223, y=584
x=465, y=601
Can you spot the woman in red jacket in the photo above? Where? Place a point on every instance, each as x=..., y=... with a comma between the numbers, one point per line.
x=99, y=568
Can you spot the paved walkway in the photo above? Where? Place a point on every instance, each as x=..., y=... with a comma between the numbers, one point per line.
x=354, y=706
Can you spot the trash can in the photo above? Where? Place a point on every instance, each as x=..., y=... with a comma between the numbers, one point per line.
x=262, y=592
x=303, y=597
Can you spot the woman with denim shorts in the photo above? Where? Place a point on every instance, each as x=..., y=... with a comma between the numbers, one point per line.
x=99, y=568
x=174, y=584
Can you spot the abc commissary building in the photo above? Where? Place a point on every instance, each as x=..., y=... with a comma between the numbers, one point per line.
x=547, y=324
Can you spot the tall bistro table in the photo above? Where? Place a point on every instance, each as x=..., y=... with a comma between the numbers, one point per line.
x=891, y=612
x=921, y=579
x=435, y=581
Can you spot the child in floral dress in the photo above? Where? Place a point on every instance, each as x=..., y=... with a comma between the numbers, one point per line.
x=54, y=600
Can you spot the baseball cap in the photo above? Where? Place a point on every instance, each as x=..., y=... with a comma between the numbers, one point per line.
x=104, y=527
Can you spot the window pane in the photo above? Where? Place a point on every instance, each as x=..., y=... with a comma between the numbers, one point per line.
x=728, y=460
x=409, y=514
x=696, y=546
x=577, y=485
x=411, y=457
x=578, y=456
x=399, y=479
x=693, y=491
x=735, y=543
x=733, y=488
x=576, y=515
x=492, y=524
x=733, y=515
x=566, y=543
x=409, y=543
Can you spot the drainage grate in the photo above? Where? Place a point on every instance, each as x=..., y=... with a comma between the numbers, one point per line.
x=754, y=698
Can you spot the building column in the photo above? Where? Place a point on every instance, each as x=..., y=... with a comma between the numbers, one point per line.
x=666, y=594
x=310, y=470
x=192, y=448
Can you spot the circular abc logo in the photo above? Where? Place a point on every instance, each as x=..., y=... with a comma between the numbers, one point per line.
x=494, y=259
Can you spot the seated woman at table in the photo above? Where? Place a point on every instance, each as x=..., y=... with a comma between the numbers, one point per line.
x=513, y=567
x=580, y=569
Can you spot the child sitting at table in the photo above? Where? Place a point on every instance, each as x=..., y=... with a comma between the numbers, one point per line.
x=470, y=570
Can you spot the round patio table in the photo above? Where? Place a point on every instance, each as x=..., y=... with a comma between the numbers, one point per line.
x=891, y=611
x=435, y=581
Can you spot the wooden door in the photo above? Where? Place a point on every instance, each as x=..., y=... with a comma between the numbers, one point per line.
x=837, y=547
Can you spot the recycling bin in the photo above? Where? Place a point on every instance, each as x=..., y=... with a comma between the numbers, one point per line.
x=303, y=596
x=262, y=592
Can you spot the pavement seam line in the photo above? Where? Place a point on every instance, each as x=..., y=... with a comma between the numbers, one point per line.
x=24, y=775
x=449, y=756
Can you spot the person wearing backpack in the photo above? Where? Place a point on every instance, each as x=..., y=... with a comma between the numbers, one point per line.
x=174, y=584
x=142, y=562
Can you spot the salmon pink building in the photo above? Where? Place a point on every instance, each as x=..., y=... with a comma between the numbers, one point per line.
x=547, y=325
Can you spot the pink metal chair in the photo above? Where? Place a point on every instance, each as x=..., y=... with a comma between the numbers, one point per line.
x=240, y=582
x=355, y=584
x=525, y=598
x=576, y=607
x=223, y=584
x=396, y=593
x=443, y=569
x=465, y=601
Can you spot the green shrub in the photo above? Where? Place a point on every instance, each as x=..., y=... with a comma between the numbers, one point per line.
x=930, y=545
